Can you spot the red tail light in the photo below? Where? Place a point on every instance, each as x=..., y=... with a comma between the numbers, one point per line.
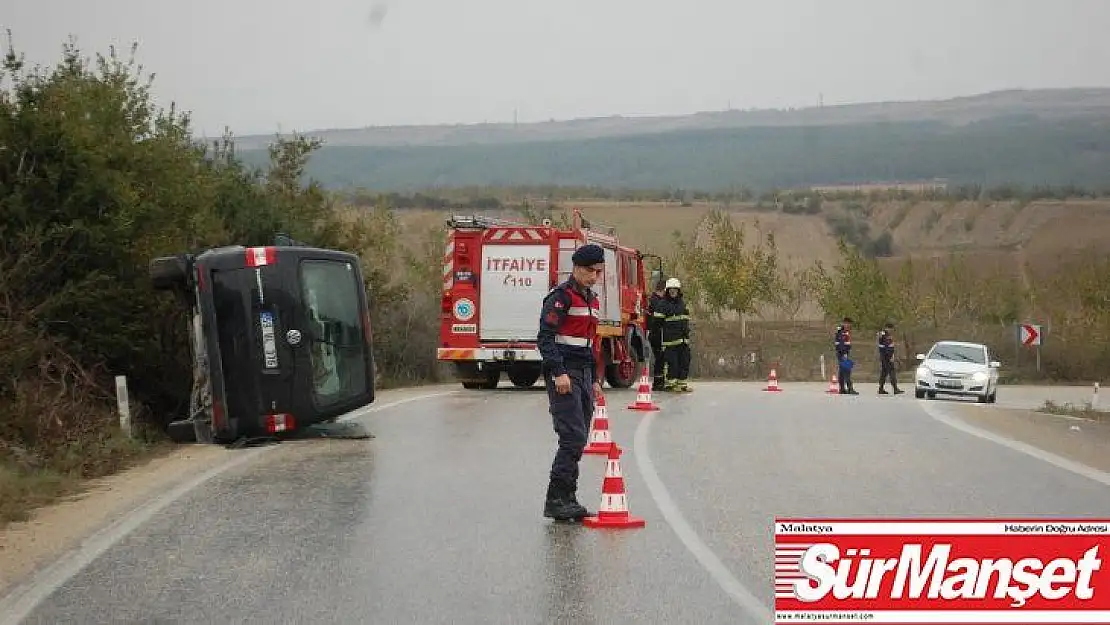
x=279, y=423
x=261, y=256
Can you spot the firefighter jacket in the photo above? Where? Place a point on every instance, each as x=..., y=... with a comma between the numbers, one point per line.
x=886, y=345
x=568, y=329
x=654, y=323
x=675, y=319
x=842, y=341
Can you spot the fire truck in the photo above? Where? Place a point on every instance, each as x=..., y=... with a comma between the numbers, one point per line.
x=496, y=274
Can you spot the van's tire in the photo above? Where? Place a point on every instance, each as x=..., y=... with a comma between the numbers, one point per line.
x=169, y=272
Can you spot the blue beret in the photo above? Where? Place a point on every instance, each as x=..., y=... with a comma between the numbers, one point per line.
x=587, y=255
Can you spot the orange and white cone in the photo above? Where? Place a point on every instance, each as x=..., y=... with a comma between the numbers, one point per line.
x=643, y=394
x=600, y=440
x=773, y=381
x=833, y=388
x=613, y=511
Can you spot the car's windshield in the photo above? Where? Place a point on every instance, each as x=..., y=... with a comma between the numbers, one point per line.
x=959, y=353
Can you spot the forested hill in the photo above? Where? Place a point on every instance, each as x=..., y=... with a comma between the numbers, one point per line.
x=1041, y=142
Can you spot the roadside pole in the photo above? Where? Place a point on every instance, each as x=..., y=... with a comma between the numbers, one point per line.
x=124, y=406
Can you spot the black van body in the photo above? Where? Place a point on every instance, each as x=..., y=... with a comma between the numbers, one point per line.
x=281, y=337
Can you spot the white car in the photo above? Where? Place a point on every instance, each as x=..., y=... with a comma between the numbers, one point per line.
x=957, y=368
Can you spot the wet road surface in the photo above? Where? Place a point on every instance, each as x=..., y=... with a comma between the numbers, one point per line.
x=438, y=518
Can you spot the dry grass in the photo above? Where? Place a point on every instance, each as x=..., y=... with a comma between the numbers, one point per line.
x=1084, y=411
x=1009, y=231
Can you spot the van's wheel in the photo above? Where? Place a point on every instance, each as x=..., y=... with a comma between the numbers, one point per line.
x=169, y=272
x=524, y=376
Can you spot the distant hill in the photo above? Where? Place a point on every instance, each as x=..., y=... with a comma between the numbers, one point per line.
x=1038, y=137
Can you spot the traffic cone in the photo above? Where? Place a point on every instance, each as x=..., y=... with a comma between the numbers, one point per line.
x=600, y=440
x=773, y=382
x=833, y=388
x=613, y=511
x=643, y=395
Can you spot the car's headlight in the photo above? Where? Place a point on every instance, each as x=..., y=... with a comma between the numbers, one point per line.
x=979, y=376
x=923, y=372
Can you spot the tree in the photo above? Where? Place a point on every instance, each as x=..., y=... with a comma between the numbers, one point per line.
x=857, y=288
x=730, y=275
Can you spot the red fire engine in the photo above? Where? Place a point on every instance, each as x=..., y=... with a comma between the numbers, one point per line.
x=496, y=274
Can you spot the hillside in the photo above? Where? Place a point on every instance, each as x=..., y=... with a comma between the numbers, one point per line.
x=1024, y=152
x=1000, y=235
x=1046, y=104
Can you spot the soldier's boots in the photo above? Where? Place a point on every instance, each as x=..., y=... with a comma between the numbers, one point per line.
x=561, y=504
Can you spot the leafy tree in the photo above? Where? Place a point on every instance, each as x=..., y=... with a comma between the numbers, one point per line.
x=730, y=275
x=857, y=288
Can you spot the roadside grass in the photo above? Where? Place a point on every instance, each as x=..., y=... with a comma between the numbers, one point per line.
x=1084, y=410
x=28, y=483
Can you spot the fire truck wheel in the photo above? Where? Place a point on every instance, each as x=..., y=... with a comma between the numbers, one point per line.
x=621, y=374
x=473, y=379
x=524, y=376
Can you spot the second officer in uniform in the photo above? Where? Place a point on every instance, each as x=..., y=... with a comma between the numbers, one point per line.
x=568, y=344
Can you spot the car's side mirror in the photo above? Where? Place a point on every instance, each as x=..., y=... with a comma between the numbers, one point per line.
x=995, y=364
x=921, y=356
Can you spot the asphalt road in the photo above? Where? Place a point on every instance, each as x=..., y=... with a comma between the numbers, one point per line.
x=438, y=518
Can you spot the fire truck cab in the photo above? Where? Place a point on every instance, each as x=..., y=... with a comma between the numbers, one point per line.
x=496, y=274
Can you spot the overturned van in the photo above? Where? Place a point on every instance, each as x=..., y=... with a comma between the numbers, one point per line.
x=281, y=339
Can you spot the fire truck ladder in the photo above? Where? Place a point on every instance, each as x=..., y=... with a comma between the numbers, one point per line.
x=480, y=222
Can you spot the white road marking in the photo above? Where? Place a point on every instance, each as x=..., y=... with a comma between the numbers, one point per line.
x=743, y=597
x=25, y=597
x=937, y=413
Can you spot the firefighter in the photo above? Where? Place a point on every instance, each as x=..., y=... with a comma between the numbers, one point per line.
x=886, y=360
x=676, y=337
x=843, y=345
x=655, y=335
x=571, y=369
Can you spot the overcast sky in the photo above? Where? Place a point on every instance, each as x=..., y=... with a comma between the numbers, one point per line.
x=260, y=66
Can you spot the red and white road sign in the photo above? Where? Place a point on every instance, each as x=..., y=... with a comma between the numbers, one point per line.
x=1030, y=334
x=942, y=571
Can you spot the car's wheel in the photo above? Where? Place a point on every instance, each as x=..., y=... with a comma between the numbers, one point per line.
x=918, y=393
x=993, y=397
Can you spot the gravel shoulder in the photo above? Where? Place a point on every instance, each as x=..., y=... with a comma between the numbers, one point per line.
x=55, y=529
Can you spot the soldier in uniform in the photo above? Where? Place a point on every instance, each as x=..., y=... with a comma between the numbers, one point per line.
x=676, y=337
x=571, y=368
x=655, y=336
x=886, y=360
x=843, y=345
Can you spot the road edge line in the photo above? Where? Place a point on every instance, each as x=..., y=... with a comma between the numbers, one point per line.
x=25, y=597
x=739, y=593
x=938, y=414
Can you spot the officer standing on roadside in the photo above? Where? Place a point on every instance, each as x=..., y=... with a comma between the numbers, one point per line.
x=571, y=365
x=843, y=344
x=886, y=360
x=655, y=336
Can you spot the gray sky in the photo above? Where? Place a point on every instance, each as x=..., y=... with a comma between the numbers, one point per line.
x=263, y=65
